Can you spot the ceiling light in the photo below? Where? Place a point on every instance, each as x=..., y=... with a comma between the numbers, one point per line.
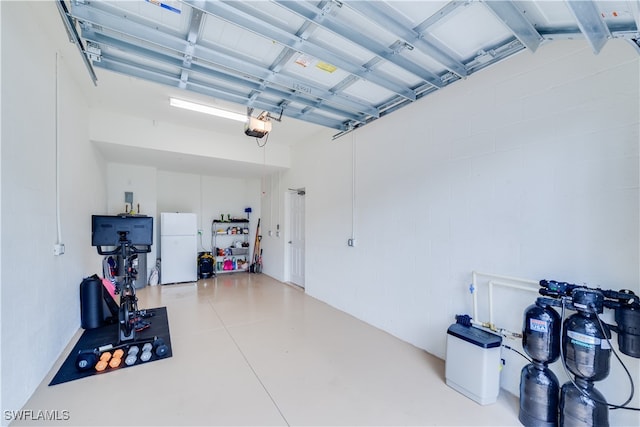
x=207, y=109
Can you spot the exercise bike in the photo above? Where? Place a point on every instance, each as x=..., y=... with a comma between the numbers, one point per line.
x=134, y=236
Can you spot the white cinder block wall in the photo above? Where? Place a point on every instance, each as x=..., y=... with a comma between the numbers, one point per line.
x=164, y=191
x=529, y=169
x=40, y=292
x=208, y=197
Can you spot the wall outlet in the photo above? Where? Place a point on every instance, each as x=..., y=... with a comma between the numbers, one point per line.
x=351, y=242
x=58, y=249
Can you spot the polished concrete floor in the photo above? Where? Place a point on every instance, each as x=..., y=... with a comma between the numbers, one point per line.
x=248, y=350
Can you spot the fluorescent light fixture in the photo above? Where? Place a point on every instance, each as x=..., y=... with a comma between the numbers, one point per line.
x=207, y=110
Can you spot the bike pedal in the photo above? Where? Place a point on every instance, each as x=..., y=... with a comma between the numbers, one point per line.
x=142, y=325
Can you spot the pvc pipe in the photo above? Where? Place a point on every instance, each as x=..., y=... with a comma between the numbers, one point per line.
x=506, y=285
x=474, y=294
x=511, y=285
x=515, y=279
x=491, y=283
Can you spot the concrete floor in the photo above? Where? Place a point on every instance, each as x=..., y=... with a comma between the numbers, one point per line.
x=249, y=350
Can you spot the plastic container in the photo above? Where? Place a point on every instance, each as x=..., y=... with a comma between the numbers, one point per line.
x=473, y=363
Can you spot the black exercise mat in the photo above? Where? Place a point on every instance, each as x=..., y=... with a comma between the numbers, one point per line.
x=108, y=334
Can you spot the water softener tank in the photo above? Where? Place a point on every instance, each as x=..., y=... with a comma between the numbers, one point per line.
x=91, y=294
x=583, y=406
x=539, y=387
x=539, y=396
x=585, y=338
x=586, y=351
x=541, y=332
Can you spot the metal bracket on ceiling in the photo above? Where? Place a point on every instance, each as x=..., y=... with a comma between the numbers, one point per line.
x=266, y=116
x=330, y=7
x=74, y=38
x=94, y=53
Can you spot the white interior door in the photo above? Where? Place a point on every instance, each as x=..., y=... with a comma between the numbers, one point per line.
x=296, y=239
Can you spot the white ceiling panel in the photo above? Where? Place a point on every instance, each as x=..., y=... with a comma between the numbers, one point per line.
x=370, y=93
x=314, y=70
x=339, y=64
x=470, y=30
x=416, y=12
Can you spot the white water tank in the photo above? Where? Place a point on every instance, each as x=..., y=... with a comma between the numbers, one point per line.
x=473, y=363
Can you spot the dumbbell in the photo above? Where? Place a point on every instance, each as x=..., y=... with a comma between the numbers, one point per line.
x=104, y=361
x=132, y=355
x=107, y=359
x=157, y=346
x=89, y=359
x=160, y=348
x=145, y=356
x=86, y=360
x=116, y=358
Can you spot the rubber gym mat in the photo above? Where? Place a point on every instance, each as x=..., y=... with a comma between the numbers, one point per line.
x=108, y=334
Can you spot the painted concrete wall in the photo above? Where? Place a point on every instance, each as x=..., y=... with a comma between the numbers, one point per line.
x=163, y=191
x=172, y=137
x=529, y=170
x=209, y=197
x=40, y=291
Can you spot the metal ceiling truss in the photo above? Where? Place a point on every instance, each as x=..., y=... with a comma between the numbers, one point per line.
x=137, y=46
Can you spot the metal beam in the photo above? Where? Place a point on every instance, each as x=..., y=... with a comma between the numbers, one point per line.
x=444, y=12
x=305, y=30
x=387, y=17
x=153, y=38
x=514, y=19
x=196, y=69
x=162, y=77
x=317, y=16
x=74, y=38
x=590, y=23
x=192, y=39
x=228, y=12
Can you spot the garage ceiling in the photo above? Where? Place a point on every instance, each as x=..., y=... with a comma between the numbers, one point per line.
x=338, y=64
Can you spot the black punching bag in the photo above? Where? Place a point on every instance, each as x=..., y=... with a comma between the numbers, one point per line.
x=91, y=312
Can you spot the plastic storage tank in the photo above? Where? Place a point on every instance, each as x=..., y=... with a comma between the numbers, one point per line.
x=473, y=363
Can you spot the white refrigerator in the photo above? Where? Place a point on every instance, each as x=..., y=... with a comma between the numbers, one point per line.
x=178, y=247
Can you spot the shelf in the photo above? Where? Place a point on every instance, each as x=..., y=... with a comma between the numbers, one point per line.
x=232, y=271
x=225, y=236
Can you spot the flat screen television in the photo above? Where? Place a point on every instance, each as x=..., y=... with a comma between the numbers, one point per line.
x=106, y=230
